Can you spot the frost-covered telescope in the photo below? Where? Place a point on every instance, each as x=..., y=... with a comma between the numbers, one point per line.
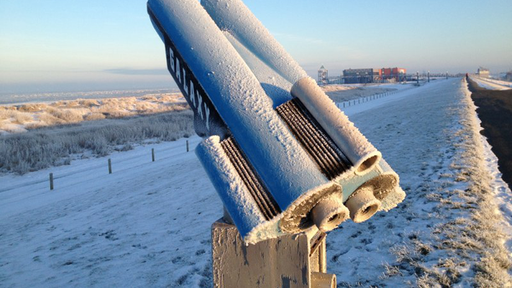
x=282, y=157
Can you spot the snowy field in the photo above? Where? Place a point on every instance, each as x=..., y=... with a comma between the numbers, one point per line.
x=347, y=92
x=500, y=82
x=148, y=223
x=492, y=84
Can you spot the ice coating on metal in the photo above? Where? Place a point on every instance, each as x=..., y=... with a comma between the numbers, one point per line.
x=296, y=217
x=330, y=212
x=383, y=181
x=396, y=195
x=263, y=198
x=276, y=155
x=243, y=210
x=235, y=17
x=206, y=118
x=342, y=131
x=275, y=86
x=249, y=36
x=245, y=85
x=330, y=160
x=363, y=204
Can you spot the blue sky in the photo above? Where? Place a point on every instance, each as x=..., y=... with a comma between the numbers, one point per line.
x=57, y=45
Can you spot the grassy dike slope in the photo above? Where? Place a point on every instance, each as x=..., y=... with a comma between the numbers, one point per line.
x=495, y=112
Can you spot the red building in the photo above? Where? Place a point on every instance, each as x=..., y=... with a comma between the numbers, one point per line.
x=393, y=73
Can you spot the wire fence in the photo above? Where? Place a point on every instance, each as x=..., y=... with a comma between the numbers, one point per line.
x=127, y=163
x=354, y=102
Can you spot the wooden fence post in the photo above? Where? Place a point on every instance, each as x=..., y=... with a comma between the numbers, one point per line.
x=51, y=181
x=109, y=166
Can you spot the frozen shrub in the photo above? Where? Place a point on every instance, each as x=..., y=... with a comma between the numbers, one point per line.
x=21, y=118
x=88, y=103
x=123, y=148
x=5, y=114
x=145, y=107
x=120, y=114
x=98, y=145
x=23, y=167
x=46, y=119
x=72, y=116
x=45, y=147
x=94, y=116
x=32, y=107
x=150, y=98
x=66, y=115
x=15, y=117
x=73, y=104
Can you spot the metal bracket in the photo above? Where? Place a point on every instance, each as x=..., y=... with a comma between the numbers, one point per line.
x=291, y=261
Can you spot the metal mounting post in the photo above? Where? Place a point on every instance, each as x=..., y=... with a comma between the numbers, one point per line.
x=291, y=261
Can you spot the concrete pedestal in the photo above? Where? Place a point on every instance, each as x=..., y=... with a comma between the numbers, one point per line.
x=291, y=261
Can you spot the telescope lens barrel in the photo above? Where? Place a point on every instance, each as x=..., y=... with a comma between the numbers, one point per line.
x=362, y=204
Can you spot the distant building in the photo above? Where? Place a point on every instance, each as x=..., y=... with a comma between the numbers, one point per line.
x=364, y=75
x=335, y=80
x=396, y=74
x=508, y=76
x=323, y=76
x=372, y=75
x=483, y=72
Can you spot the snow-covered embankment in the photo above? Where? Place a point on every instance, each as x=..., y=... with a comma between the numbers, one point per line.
x=447, y=230
x=148, y=223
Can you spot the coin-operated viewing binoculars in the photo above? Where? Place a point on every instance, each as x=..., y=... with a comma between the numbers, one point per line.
x=280, y=154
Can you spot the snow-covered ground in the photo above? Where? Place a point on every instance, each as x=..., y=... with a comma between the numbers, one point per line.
x=430, y=136
x=500, y=82
x=336, y=87
x=145, y=225
x=346, y=92
x=492, y=84
x=148, y=223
